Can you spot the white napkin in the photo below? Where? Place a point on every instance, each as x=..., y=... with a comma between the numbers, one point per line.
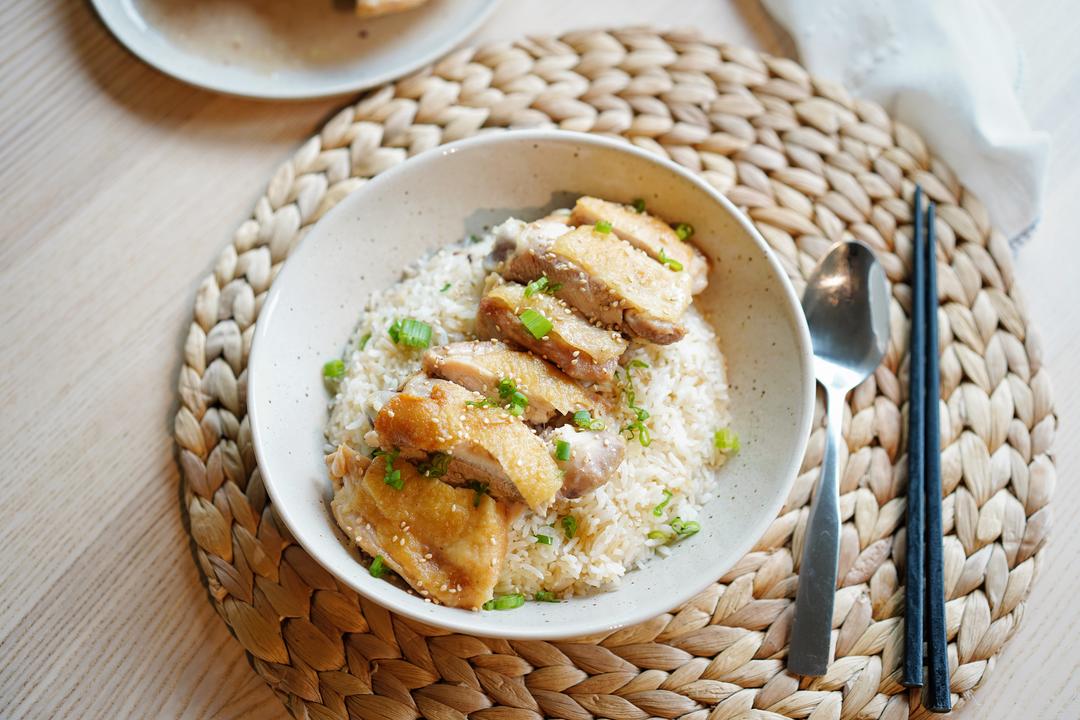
x=947, y=68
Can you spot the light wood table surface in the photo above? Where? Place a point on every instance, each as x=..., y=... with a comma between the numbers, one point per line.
x=121, y=185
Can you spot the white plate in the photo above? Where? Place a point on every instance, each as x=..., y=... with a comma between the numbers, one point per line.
x=454, y=190
x=392, y=46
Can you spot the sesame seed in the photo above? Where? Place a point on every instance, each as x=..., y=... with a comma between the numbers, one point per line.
x=427, y=556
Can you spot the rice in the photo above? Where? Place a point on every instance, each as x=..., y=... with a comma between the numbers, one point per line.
x=683, y=388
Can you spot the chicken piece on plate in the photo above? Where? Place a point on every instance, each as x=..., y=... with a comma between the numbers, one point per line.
x=375, y=8
x=595, y=457
x=583, y=351
x=446, y=542
x=495, y=370
x=605, y=278
x=485, y=442
x=648, y=234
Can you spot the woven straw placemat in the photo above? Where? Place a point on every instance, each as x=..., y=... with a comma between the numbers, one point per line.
x=810, y=165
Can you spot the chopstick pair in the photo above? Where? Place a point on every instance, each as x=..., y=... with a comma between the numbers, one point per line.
x=924, y=615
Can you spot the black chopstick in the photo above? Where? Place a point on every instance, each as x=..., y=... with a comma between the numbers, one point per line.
x=915, y=590
x=938, y=698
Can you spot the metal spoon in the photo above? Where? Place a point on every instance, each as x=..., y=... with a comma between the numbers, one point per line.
x=847, y=309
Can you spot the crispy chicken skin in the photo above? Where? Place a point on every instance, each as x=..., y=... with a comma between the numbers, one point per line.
x=595, y=457
x=606, y=278
x=488, y=443
x=581, y=350
x=447, y=543
x=481, y=365
x=649, y=234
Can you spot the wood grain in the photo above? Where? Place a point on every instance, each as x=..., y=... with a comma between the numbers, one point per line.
x=121, y=185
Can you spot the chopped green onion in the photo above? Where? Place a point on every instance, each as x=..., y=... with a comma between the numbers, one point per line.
x=475, y=239
x=638, y=426
x=486, y=402
x=542, y=285
x=638, y=205
x=659, y=509
x=603, y=226
x=538, y=285
x=479, y=488
x=670, y=262
x=684, y=529
x=681, y=529
x=543, y=539
x=391, y=476
x=545, y=596
x=505, y=602
x=508, y=391
x=333, y=370
x=684, y=231
x=518, y=402
x=537, y=325
x=445, y=287
x=562, y=450
x=585, y=421
x=364, y=341
x=377, y=568
x=411, y=333
x=393, y=479
x=726, y=441
x=435, y=466
x=569, y=526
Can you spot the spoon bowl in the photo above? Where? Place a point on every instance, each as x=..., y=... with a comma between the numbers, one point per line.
x=847, y=309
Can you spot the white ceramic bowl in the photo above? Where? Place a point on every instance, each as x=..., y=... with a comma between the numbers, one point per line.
x=394, y=46
x=451, y=191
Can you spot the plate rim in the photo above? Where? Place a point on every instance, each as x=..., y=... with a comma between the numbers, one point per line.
x=111, y=13
x=583, y=628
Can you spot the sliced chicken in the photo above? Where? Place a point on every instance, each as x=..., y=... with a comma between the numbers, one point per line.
x=604, y=277
x=647, y=233
x=481, y=366
x=581, y=350
x=595, y=457
x=485, y=442
x=446, y=542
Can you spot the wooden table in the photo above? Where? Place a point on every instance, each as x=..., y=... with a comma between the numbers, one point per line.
x=120, y=187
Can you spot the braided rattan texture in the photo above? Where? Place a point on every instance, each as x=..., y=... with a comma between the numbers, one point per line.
x=810, y=165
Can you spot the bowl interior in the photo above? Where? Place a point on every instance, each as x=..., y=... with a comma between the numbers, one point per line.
x=449, y=192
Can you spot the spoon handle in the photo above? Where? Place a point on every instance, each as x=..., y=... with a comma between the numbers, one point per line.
x=810, y=636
